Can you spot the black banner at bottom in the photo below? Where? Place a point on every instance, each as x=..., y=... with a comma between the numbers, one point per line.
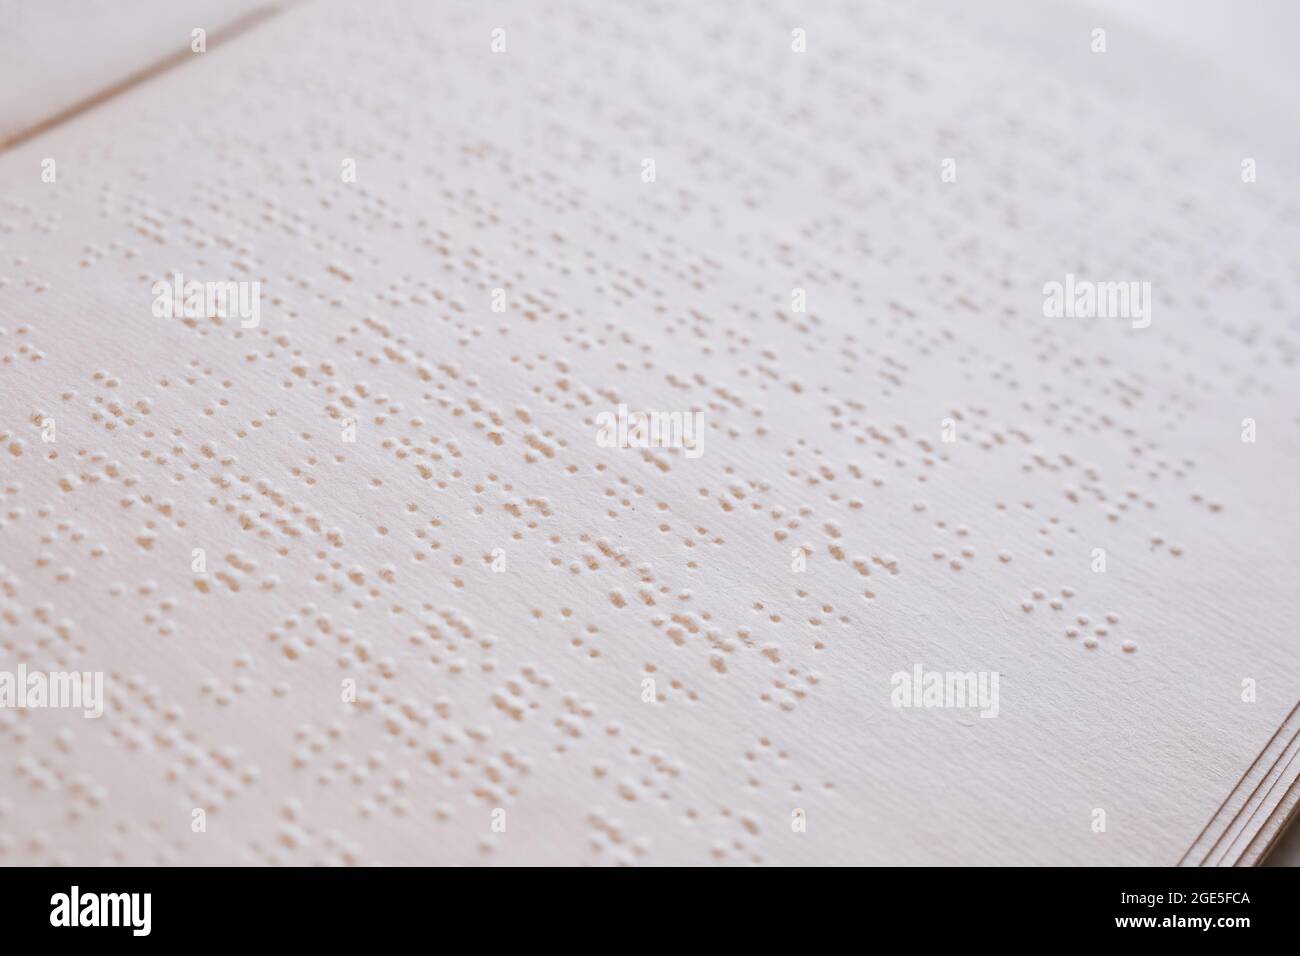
x=339, y=907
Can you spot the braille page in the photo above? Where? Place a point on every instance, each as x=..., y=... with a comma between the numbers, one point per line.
x=666, y=434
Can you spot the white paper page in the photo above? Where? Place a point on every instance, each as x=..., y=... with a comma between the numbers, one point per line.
x=682, y=659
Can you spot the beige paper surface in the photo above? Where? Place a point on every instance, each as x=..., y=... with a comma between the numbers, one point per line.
x=519, y=697
x=60, y=56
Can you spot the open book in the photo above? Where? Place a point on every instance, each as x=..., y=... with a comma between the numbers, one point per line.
x=675, y=434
